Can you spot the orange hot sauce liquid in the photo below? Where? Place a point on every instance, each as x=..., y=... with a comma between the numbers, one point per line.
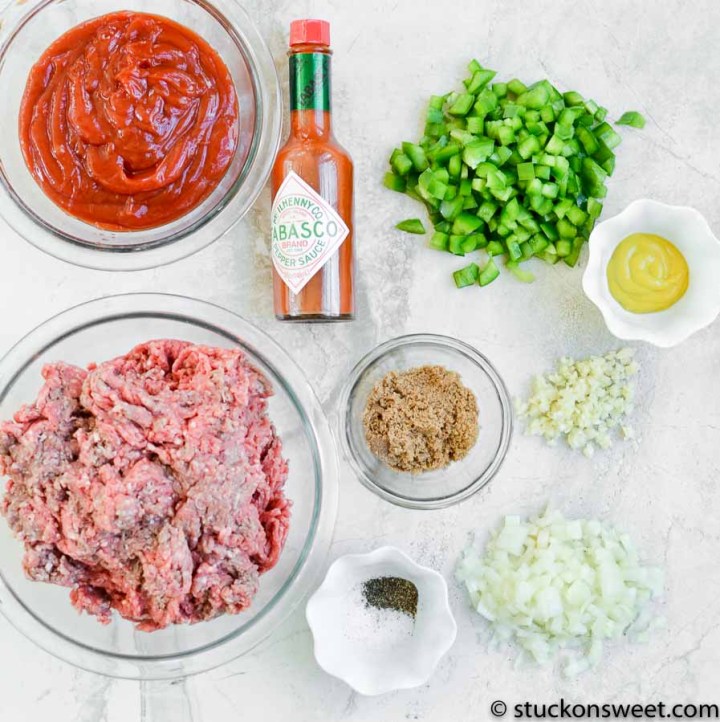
x=313, y=153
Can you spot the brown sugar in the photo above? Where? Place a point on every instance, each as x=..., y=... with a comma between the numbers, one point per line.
x=421, y=419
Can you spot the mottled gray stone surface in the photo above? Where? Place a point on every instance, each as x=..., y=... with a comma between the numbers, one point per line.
x=660, y=58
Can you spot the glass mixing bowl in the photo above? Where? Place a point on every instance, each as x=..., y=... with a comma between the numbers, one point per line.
x=443, y=487
x=105, y=328
x=26, y=31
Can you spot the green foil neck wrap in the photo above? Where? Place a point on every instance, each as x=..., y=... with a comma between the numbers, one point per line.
x=310, y=81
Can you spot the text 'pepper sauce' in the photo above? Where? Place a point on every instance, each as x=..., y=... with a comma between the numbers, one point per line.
x=312, y=186
x=129, y=121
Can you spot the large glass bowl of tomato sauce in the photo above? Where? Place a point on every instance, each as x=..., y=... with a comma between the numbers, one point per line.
x=28, y=28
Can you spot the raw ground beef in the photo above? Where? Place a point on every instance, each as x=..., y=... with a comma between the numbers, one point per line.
x=151, y=484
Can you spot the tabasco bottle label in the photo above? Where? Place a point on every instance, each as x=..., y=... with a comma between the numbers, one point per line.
x=306, y=232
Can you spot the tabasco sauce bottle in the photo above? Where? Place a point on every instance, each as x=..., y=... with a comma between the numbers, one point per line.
x=312, y=187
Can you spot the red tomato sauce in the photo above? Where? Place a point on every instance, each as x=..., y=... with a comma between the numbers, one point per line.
x=129, y=121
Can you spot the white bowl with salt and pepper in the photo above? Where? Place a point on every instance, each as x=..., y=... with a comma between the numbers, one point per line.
x=380, y=650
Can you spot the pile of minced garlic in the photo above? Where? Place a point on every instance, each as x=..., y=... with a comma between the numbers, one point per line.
x=583, y=401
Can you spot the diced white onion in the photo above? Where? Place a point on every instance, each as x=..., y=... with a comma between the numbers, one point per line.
x=550, y=582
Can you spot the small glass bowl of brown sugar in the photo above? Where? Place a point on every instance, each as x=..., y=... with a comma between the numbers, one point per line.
x=426, y=421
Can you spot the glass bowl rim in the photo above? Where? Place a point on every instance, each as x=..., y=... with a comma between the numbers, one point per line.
x=305, y=571
x=458, y=348
x=216, y=221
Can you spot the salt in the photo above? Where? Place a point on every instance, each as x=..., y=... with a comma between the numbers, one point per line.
x=374, y=629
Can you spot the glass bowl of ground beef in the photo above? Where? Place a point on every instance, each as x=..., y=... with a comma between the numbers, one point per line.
x=425, y=421
x=129, y=143
x=168, y=486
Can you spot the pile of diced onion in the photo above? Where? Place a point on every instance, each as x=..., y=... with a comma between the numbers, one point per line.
x=549, y=583
x=584, y=401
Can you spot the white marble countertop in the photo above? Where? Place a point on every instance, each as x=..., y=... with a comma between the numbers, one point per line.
x=660, y=58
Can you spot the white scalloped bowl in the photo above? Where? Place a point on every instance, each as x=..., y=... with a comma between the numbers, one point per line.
x=372, y=672
x=690, y=232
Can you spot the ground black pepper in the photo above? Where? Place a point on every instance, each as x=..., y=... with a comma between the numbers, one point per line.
x=393, y=593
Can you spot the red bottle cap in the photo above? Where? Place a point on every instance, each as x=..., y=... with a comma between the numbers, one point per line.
x=316, y=32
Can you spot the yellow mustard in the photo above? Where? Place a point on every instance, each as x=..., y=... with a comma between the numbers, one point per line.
x=647, y=273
